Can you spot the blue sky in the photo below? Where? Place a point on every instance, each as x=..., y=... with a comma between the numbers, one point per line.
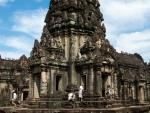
x=127, y=23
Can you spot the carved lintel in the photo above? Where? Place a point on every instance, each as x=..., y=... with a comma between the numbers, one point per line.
x=43, y=69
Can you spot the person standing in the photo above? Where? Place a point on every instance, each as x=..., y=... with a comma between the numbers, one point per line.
x=81, y=93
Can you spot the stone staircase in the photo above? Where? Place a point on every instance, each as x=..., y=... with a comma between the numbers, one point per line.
x=105, y=106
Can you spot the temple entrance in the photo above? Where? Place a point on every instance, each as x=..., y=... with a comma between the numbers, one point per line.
x=104, y=84
x=83, y=81
x=58, y=79
x=25, y=95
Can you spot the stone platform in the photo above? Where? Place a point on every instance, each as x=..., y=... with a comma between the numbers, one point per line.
x=77, y=107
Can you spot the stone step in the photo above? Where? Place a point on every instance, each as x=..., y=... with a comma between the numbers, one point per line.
x=132, y=109
x=76, y=104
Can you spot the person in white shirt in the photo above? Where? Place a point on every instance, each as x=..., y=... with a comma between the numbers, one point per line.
x=71, y=97
x=14, y=98
x=81, y=93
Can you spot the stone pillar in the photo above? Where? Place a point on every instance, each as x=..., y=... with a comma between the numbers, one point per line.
x=99, y=83
x=91, y=80
x=36, y=88
x=43, y=85
x=109, y=80
x=73, y=51
x=115, y=86
x=125, y=91
x=31, y=87
x=148, y=92
x=52, y=71
x=134, y=92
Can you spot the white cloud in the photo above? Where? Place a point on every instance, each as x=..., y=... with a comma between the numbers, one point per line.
x=29, y=25
x=4, y=2
x=30, y=22
x=12, y=54
x=17, y=42
x=126, y=15
x=137, y=42
x=128, y=26
x=15, y=46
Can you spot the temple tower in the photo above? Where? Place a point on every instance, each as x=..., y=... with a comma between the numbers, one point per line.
x=72, y=51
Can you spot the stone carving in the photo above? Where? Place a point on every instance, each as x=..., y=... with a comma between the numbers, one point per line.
x=73, y=2
x=53, y=43
x=103, y=28
x=99, y=43
x=59, y=43
x=80, y=20
x=65, y=16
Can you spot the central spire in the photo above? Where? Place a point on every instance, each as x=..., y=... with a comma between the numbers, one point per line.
x=81, y=15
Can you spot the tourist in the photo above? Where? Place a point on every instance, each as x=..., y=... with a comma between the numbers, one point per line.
x=71, y=97
x=81, y=93
x=13, y=98
x=108, y=92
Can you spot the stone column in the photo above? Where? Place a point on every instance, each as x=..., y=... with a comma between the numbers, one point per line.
x=73, y=51
x=99, y=83
x=36, y=88
x=125, y=91
x=109, y=80
x=134, y=92
x=52, y=71
x=91, y=80
x=31, y=87
x=43, y=88
x=148, y=90
x=115, y=86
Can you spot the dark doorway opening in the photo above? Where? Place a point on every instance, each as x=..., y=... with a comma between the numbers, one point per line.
x=84, y=81
x=25, y=95
x=104, y=84
x=58, y=78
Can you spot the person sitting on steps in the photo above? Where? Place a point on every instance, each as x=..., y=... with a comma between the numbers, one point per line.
x=14, y=98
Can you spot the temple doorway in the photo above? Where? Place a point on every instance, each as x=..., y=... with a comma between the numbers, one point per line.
x=104, y=84
x=25, y=95
x=83, y=81
x=58, y=81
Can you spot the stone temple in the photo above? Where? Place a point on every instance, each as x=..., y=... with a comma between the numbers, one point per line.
x=74, y=51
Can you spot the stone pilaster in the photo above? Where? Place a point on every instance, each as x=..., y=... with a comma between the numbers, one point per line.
x=99, y=83
x=91, y=80
x=43, y=86
x=52, y=71
x=125, y=91
x=115, y=86
x=31, y=87
x=73, y=50
x=35, y=87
